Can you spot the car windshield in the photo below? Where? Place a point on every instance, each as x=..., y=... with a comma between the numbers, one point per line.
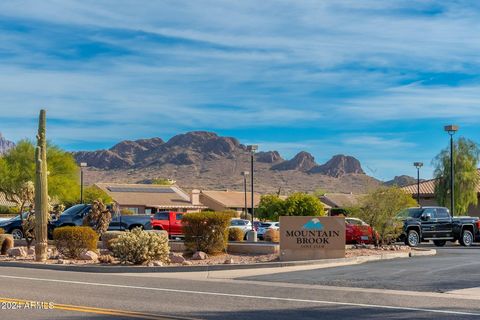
x=73, y=210
x=238, y=222
x=266, y=224
x=25, y=214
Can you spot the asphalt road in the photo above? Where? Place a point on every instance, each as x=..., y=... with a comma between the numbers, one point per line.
x=115, y=296
x=454, y=267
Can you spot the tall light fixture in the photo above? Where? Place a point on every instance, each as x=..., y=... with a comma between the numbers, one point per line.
x=451, y=130
x=418, y=165
x=245, y=174
x=82, y=165
x=253, y=232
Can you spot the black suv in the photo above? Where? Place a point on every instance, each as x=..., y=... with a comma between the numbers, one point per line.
x=436, y=224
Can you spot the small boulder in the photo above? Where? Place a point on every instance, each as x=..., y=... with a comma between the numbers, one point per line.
x=176, y=258
x=228, y=261
x=199, y=255
x=89, y=255
x=150, y=264
x=187, y=263
x=158, y=263
x=30, y=251
x=17, y=252
x=61, y=261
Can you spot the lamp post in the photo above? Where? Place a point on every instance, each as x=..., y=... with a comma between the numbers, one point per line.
x=418, y=165
x=451, y=130
x=82, y=165
x=252, y=233
x=245, y=174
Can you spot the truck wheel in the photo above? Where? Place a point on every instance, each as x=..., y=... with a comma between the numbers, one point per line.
x=439, y=243
x=17, y=234
x=413, y=238
x=466, y=238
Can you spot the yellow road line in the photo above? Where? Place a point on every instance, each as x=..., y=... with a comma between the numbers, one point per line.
x=104, y=311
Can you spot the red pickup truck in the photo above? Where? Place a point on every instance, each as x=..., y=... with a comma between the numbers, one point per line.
x=169, y=221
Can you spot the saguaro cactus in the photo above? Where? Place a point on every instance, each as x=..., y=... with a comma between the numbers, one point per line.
x=41, y=191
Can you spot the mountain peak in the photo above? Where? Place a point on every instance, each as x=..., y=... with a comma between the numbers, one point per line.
x=5, y=144
x=339, y=165
x=401, y=181
x=303, y=161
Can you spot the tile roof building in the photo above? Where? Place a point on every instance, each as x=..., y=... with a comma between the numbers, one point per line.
x=228, y=200
x=150, y=198
x=341, y=200
x=427, y=195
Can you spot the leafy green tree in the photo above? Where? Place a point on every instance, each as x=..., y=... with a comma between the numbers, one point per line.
x=380, y=208
x=92, y=193
x=270, y=207
x=303, y=204
x=17, y=168
x=466, y=179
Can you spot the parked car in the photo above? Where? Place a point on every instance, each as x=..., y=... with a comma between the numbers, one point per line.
x=436, y=224
x=14, y=226
x=243, y=224
x=357, y=231
x=264, y=226
x=74, y=216
x=169, y=221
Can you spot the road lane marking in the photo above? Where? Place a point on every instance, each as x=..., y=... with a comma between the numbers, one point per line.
x=104, y=311
x=233, y=295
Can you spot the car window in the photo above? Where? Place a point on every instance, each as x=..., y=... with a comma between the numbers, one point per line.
x=234, y=223
x=74, y=210
x=161, y=216
x=442, y=213
x=266, y=224
x=432, y=211
x=179, y=216
x=354, y=222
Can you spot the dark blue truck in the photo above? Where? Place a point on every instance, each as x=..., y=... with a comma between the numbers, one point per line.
x=74, y=216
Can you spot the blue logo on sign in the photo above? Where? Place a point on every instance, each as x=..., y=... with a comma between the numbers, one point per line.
x=313, y=224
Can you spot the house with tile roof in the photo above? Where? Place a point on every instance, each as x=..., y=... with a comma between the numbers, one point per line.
x=221, y=200
x=427, y=195
x=151, y=198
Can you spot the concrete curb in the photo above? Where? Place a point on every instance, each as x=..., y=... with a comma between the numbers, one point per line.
x=220, y=267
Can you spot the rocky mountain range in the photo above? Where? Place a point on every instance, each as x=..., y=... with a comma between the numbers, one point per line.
x=401, y=181
x=205, y=160
x=5, y=144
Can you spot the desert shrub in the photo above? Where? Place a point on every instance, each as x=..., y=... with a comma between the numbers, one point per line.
x=380, y=208
x=98, y=218
x=206, y=231
x=140, y=247
x=2, y=231
x=272, y=235
x=109, y=238
x=235, y=234
x=126, y=212
x=7, y=243
x=73, y=241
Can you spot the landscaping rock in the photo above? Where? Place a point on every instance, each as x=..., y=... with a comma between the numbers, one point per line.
x=17, y=252
x=30, y=251
x=187, y=263
x=228, y=261
x=150, y=264
x=61, y=261
x=176, y=258
x=158, y=263
x=89, y=255
x=199, y=255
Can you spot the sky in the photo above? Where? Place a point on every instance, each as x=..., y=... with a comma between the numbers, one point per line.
x=377, y=80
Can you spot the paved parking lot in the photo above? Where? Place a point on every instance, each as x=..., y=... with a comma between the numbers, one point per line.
x=454, y=267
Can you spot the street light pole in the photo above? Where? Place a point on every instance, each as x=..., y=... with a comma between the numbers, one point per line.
x=82, y=165
x=418, y=165
x=245, y=174
x=451, y=129
x=253, y=233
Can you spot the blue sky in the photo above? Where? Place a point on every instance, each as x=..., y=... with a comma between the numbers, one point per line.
x=372, y=79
